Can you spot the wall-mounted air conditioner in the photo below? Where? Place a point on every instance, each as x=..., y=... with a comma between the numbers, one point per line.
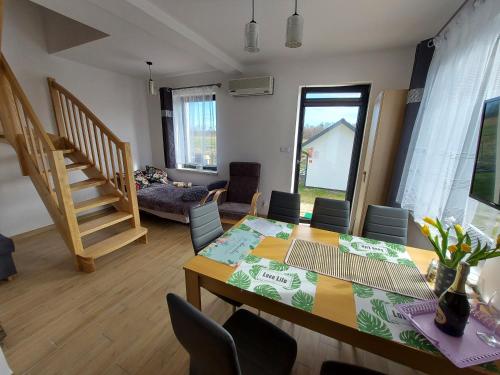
x=251, y=86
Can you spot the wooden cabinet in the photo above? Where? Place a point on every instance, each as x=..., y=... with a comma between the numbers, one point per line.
x=381, y=150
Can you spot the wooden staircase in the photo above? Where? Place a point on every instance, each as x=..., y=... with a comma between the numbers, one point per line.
x=84, y=144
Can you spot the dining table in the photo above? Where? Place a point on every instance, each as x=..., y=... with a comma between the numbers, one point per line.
x=334, y=310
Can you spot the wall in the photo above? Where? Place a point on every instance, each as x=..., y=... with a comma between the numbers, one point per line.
x=119, y=101
x=254, y=128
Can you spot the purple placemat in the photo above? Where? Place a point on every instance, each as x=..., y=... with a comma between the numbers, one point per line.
x=464, y=351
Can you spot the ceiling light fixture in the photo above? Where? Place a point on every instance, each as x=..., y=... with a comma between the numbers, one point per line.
x=252, y=33
x=294, y=29
x=151, y=83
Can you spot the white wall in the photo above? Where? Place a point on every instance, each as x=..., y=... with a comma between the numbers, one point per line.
x=254, y=128
x=119, y=101
x=329, y=165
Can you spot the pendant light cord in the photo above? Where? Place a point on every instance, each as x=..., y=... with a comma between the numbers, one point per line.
x=253, y=10
x=295, y=8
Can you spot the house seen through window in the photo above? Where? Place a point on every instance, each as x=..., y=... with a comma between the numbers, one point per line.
x=195, y=128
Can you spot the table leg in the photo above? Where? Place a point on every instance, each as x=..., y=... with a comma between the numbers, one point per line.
x=193, y=294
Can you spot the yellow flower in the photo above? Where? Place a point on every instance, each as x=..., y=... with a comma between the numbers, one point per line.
x=459, y=229
x=425, y=230
x=452, y=248
x=430, y=221
x=465, y=247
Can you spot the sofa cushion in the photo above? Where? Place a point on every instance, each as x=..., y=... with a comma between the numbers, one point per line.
x=234, y=208
x=154, y=174
x=194, y=194
x=141, y=181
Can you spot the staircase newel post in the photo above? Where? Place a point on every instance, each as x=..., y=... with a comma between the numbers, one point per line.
x=57, y=108
x=130, y=183
x=65, y=202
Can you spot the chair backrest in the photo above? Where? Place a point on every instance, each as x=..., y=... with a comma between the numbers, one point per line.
x=284, y=207
x=243, y=181
x=211, y=348
x=205, y=225
x=331, y=214
x=386, y=224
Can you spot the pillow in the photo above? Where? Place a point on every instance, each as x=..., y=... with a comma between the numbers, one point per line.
x=194, y=194
x=154, y=174
x=141, y=180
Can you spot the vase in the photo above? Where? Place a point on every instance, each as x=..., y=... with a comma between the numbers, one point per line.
x=444, y=278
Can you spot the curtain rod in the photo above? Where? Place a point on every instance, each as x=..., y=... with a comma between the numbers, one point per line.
x=193, y=87
x=451, y=18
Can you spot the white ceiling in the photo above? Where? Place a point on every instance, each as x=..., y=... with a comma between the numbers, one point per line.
x=187, y=36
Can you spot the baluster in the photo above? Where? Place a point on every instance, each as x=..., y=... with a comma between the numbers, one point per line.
x=113, y=166
x=22, y=123
x=91, y=141
x=119, y=155
x=62, y=114
x=80, y=144
x=73, y=124
x=45, y=166
x=67, y=116
x=105, y=154
x=99, y=153
x=84, y=135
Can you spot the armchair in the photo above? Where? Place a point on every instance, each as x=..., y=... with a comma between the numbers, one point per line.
x=240, y=196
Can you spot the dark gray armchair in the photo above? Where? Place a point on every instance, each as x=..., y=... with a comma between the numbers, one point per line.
x=7, y=266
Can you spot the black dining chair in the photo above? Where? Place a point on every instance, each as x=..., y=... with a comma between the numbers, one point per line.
x=340, y=368
x=284, y=207
x=388, y=224
x=205, y=227
x=244, y=344
x=331, y=214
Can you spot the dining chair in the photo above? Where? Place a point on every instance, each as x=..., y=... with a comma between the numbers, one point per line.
x=331, y=214
x=205, y=227
x=338, y=368
x=386, y=224
x=244, y=344
x=284, y=207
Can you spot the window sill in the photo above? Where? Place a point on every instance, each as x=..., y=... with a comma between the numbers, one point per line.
x=195, y=170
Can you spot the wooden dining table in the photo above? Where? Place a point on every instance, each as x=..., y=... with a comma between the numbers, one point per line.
x=334, y=311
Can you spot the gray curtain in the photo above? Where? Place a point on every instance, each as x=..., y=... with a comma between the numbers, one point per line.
x=167, y=123
x=423, y=58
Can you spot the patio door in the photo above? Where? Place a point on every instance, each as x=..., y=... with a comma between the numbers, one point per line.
x=330, y=133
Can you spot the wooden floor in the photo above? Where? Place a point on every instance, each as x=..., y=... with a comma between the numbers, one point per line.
x=115, y=321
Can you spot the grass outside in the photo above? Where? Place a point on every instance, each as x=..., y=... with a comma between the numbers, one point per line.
x=309, y=194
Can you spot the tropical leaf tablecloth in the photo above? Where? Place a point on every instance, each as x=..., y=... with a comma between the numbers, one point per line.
x=376, y=315
x=374, y=249
x=232, y=246
x=276, y=281
x=267, y=227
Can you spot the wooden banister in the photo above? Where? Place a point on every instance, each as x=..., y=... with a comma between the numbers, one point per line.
x=107, y=153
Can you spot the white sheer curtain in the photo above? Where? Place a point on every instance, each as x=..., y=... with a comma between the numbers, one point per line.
x=465, y=71
x=195, y=126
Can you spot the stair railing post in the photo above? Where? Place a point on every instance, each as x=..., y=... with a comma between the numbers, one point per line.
x=65, y=201
x=130, y=184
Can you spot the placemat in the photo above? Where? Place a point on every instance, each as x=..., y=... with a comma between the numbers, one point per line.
x=330, y=261
x=267, y=227
x=277, y=281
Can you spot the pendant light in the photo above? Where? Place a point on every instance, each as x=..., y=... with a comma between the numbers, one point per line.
x=294, y=28
x=151, y=83
x=252, y=33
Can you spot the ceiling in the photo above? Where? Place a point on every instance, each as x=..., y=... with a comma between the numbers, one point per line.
x=188, y=36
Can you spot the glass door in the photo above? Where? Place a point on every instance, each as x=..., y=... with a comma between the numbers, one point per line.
x=331, y=126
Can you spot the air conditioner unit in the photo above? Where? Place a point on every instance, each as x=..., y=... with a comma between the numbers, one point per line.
x=251, y=86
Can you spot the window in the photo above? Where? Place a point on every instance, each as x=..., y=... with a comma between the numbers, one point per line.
x=195, y=128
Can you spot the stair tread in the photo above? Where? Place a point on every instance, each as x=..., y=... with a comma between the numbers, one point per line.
x=77, y=166
x=96, y=202
x=91, y=182
x=102, y=222
x=115, y=242
x=68, y=151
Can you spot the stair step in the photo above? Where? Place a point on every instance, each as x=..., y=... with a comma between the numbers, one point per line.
x=102, y=222
x=68, y=151
x=77, y=166
x=85, y=184
x=96, y=202
x=113, y=243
